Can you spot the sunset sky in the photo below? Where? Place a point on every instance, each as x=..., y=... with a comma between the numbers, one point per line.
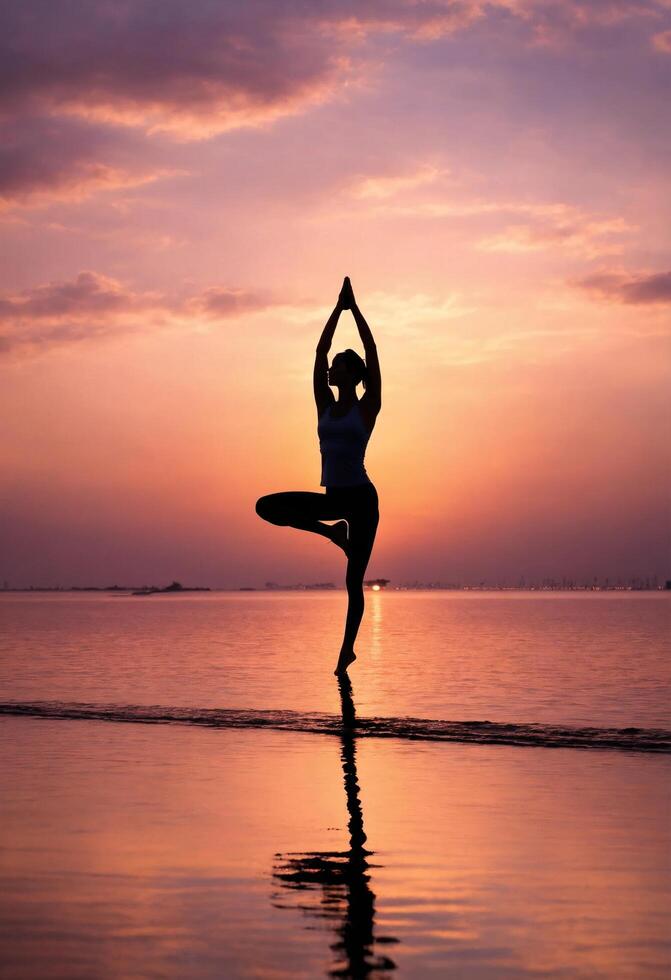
x=183, y=187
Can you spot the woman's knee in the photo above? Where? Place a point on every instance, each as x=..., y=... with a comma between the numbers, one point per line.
x=354, y=576
x=266, y=507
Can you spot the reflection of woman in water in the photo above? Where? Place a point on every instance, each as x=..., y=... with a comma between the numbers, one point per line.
x=347, y=899
x=344, y=427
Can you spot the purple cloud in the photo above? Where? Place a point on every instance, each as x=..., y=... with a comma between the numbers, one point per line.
x=42, y=160
x=637, y=289
x=92, y=306
x=165, y=65
x=197, y=69
x=216, y=302
x=86, y=294
x=662, y=42
x=194, y=70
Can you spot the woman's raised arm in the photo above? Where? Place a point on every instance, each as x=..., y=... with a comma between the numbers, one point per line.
x=374, y=380
x=320, y=383
x=329, y=329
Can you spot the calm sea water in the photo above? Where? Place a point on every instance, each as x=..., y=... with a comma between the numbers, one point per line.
x=172, y=851
x=578, y=659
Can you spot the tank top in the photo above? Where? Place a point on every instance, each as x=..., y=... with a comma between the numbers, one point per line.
x=342, y=443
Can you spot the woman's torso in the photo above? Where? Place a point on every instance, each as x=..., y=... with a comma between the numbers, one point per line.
x=342, y=443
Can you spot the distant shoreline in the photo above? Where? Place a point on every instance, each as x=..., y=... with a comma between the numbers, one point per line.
x=151, y=590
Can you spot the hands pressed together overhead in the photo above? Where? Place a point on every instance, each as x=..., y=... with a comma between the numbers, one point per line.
x=346, y=298
x=346, y=301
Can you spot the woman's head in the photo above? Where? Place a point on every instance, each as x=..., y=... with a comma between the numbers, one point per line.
x=348, y=368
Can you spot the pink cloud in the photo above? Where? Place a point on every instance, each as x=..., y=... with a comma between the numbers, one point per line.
x=167, y=66
x=88, y=307
x=217, y=302
x=419, y=21
x=548, y=21
x=88, y=293
x=428, y=191
x=44, y=160
x=635, y=289
x=574, y=231
x=196, y=71
x=93, y=306
x=82, y=77
x=662, y=42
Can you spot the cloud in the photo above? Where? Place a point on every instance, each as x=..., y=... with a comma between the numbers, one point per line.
x=386, y=186
x=196, y=70
x=93, y=306
x=75, y=77
x=218, y=302
x=662, y=42
x=554, y=24
x=632, y=289
x=570, y=229
x=162, y=65
x=418, y=21
x=43, y=161
x=88, y=307
x=548, y=21
x=88, y=293
x=528, y=226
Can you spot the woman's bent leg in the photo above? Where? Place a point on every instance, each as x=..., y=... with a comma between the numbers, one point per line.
x=301, y=509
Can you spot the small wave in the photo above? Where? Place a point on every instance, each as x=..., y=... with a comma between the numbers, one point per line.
x=420, y=729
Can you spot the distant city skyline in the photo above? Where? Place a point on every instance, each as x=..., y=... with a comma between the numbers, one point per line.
x=649, y=583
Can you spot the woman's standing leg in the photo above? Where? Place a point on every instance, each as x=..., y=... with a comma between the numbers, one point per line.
x=363, y=524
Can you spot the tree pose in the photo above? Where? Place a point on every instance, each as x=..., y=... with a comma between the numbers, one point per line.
x=344, y=427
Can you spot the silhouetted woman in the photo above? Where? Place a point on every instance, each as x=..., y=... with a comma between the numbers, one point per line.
x=344, y=427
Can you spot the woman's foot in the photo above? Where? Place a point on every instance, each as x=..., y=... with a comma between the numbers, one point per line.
x=339, y=535
x=346, y=658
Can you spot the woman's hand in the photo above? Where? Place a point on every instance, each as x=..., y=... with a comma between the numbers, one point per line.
x=346, y=298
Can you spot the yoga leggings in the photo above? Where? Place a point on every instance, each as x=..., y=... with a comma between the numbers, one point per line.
x=302, y=509
x=359, y=507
